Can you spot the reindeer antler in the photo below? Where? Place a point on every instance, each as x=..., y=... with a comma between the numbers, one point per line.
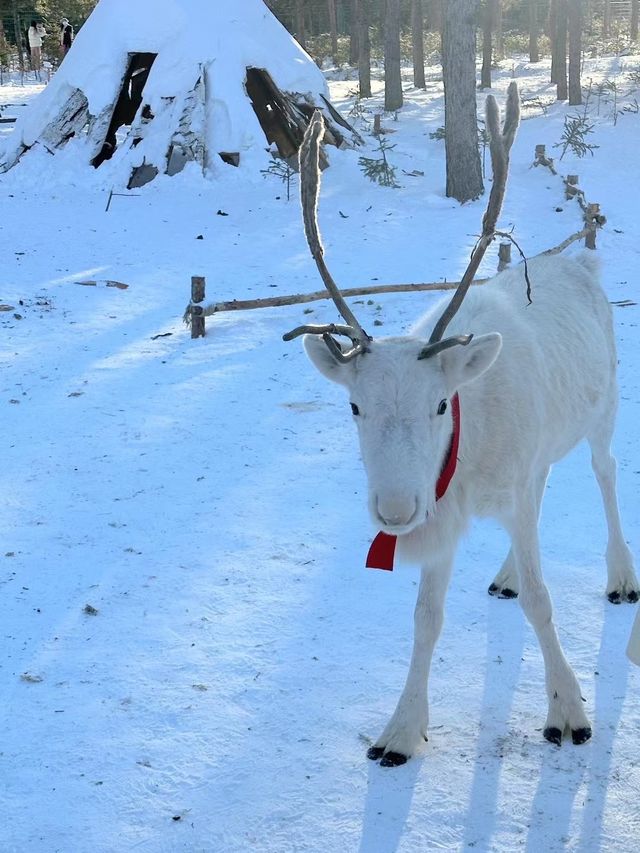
x=499, y=146
x=309, y=191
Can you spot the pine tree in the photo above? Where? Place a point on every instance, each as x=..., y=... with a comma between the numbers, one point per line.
x=464, y=171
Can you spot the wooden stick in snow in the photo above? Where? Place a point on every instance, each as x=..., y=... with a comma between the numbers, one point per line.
x=317, y=295
x=196, y=311
x=561, y=246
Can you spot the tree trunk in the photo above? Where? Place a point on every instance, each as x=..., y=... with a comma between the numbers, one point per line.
x=606, y=19
x=575, y=51
x=464, y=172
x=333, y=29
x=300, y=30
x=354, y=50
x=488, y=25
x=534, y=55
x=364, y=50
x=417, y=40
x=560, y=50
x=18, y=34
x=499, y=41
x=633, y=25
x=434, y=16
x=392, y=78
x=553, y=30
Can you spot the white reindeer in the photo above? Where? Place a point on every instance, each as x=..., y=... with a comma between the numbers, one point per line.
x=532, y=380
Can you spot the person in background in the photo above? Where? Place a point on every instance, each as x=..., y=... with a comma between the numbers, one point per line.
x=66, y=36
x=36, y=33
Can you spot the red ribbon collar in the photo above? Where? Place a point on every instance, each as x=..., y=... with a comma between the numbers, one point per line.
x=383, y=547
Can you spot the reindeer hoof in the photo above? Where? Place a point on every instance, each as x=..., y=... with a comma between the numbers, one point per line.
x=502, y=592
x=508, y=593
x=375, y=752
x=554, y=735
x=581, y=735
x=614, y=597
x=393, y=759
x=632, y=597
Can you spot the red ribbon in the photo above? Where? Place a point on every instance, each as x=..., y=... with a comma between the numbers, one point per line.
x=383, y=547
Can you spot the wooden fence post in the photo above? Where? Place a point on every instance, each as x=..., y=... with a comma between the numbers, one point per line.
x=570, y=186
x=541, y=159
x=504, y=256
x=196, y=310
x=593, y=219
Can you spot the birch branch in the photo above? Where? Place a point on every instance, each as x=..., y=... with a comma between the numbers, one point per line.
x=300, y=298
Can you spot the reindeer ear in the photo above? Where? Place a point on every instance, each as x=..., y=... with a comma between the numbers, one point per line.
x=320, y=354
x=465, y=363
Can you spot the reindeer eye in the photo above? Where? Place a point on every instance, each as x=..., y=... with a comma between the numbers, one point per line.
x=442, y=408
x=355, y=409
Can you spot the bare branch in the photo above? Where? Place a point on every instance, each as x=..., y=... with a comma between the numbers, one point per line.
x=559, y=248
x=301, y=298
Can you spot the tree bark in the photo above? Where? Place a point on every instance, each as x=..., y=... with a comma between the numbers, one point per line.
x=333, y=28
x=552, y=30
x=300, y=30
x=434, y=16
x=560, y=50
x=499, y=32
x=392, y=77
x=488, y=26
x=18, y=34
x=354, y=49
x=464, y=172
x=633, y=24
x=575, y=51
x=606, y=19
x=364, y=50
x=534, y=55
x=417, y=40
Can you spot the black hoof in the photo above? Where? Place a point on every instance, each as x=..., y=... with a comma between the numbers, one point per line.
x=508, y=593
x=632, y=597
x=493, y=589
x=553, y=735
x=375, y=752
x=393, y=759
x=614, y=597
x=581, y=735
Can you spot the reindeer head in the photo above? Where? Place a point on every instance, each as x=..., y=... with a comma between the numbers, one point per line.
x=400, y=389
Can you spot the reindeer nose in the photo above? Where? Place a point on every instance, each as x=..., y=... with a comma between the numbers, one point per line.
x=396, y=510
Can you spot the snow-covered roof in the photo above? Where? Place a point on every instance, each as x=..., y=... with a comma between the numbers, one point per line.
x=229, y=34
x=223, y=37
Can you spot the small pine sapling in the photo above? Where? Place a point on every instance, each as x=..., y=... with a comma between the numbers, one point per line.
x=359, y=112
x=576, y=128
x=379, y=169
x=281, y=169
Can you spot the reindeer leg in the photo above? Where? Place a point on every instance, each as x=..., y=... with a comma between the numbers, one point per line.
x=407, y=728
x=622, y=583
x=565, y=700
x=506, y=583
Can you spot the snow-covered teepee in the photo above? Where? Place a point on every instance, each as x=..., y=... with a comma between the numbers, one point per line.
x=149, y=86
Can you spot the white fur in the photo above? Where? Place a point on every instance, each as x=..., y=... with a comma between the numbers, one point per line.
x=534, y=381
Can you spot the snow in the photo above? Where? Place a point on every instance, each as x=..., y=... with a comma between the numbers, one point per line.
x=206, y=498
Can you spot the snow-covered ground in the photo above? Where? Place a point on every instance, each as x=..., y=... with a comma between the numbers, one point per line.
x=206, y=499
